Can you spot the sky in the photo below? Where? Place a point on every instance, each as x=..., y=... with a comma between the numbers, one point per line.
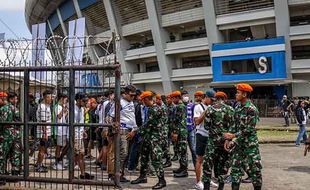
x=12, y=13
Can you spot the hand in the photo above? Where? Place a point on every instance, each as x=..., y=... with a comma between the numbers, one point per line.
x=85, y=134
x=131, y=134
x=174, y=137
x=229, y=136
x=226, y=146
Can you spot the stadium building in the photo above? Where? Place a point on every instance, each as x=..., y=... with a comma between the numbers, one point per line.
x=196, y=44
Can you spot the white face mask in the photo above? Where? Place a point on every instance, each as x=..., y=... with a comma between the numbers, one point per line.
x=185, y=99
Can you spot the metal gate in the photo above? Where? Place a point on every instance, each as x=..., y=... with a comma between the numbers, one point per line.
x=41, y=133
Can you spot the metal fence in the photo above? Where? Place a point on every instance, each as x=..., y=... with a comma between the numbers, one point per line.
x=29, y=81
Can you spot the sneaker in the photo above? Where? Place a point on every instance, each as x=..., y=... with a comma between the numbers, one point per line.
x=49, y=156
x=58, y=166
x=199, y=186
x=89, y=157
x=2, y=183
x=76, y=167
x=124, y=180
x=40, y=169
x=87, y=176
x=213, y=184
x=228, y=179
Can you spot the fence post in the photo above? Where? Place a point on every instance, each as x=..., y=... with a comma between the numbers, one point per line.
x=26, y=126
x=71, y=122
x=117, y=138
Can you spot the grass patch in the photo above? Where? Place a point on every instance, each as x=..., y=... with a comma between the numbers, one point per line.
x=268, y=135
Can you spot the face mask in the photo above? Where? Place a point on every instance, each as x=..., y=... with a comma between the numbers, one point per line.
x=185, y=99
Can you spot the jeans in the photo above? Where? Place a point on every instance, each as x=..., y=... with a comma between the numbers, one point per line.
x=302, y=134
x=191, y=139
x=134, y=154
x=286, y=118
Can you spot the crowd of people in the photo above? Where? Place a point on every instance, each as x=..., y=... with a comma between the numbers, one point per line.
x=220, y=135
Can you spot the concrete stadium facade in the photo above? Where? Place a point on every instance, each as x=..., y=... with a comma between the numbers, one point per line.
x=168, y=44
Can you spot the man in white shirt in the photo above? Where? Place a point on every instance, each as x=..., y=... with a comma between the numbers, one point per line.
x=102, y=111
x=61, y=113
x=203, y=101
x=79, y=133
x=128, y=125
x=44, y=115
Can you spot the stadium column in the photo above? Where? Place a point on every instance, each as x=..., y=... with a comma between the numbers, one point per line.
x=213, y=32
x=283, y=29
x=121, y=43
x=62, y=24
x=160, y=37
x=79, y=14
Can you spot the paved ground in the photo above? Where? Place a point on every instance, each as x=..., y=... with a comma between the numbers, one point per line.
x=285, y=168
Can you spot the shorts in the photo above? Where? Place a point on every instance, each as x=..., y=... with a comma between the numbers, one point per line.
x=91, y=133
x=46, y=143
x=78, y=146
x=101, y=140
x=62, y=140
x=201, y=144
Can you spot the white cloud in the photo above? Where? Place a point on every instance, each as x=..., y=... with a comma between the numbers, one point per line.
x=12, y=5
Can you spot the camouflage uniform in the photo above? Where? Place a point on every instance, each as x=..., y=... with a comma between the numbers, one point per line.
x=220, y=117
x=11, y=146
x=171, y=114
x=179, y=127
x=245, y=155
x=151, y=147
x=165, y=143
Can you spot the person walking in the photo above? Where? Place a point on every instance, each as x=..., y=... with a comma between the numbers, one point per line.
x=301, y=117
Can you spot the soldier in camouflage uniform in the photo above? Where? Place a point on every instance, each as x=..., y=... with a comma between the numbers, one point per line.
x=11, y=146
x=3, y=97
x=166, y=153
x=243, y=141
x=221, y=117
x=171, y=113
x=179, y=134
x=152, y=134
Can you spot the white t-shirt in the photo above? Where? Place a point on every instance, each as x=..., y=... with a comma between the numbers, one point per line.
x=44, y=115
x=304, y=122
x=198, y=110
x=128, y=119
x=101, y=111
x=61, y=130
x=78, y=118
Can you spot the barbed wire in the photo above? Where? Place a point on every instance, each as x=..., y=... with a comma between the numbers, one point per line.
x=56, y=49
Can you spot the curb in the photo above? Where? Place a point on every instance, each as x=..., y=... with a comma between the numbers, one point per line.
x=276, y=142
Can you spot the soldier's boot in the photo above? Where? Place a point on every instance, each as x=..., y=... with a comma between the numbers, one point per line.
x=161, y=183
x=221, y=186
x=141, y=179
x=167, y=164
x=182, y=173
x=177, y=170
x=235, y=186
x=175, y=158
x=206, y=185
x=257, y=187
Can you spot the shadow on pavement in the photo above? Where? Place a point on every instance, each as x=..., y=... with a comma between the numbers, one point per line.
x=303, y=169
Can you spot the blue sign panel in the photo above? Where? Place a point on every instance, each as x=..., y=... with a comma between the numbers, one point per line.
x=249, y=60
